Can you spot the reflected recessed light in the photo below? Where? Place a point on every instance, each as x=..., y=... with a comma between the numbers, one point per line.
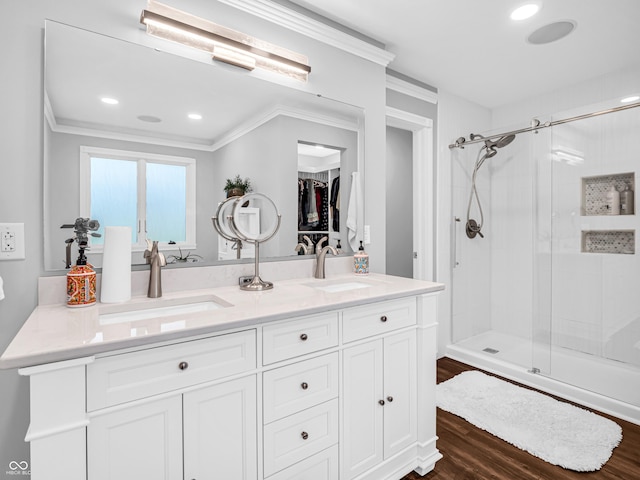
x=525, y=11
x=630, y=99
x=109, y=101
x=195, y=116
x=551, y=32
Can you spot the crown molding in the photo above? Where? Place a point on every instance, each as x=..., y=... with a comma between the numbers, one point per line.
x=311, y=28
x=402, y=86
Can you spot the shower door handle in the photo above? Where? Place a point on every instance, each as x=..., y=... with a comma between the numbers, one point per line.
x=454, y=241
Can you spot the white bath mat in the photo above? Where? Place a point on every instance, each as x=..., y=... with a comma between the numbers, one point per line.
x=554, y=431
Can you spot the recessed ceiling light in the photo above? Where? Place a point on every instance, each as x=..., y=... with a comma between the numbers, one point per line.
x=109, y=101
x=525, y=11
x=630, y=99
x=551, y=32
x=195, y=116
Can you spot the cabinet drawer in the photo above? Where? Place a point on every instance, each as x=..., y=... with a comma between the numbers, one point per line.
x=302, y=385
x=298, y=337
x=126, y=377
x=369, y=320
x=299, y=436
x=321, y=466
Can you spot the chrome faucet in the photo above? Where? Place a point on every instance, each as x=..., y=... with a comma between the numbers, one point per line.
x=157, y=260
x=319, y=245
x=320, y=260
x=310, y=246
x=303, y=247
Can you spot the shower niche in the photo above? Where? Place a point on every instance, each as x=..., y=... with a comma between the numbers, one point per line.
x=594, y=191
x=609, y=241
x=595, y=203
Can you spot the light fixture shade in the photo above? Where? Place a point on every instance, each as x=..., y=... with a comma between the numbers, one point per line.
x=222, y=43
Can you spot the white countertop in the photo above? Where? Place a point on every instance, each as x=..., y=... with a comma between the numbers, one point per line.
x=55, y=333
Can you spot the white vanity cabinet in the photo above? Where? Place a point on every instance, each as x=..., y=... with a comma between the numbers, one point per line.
x=152, y=413
x=300, y=400
x=379, y=387
x=342, y=394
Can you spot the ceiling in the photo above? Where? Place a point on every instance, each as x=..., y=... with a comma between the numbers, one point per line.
x=472, y=48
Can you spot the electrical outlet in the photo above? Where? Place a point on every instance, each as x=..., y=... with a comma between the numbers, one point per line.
x=12, y=241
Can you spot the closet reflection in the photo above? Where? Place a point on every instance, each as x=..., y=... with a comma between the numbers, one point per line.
x=318, y=197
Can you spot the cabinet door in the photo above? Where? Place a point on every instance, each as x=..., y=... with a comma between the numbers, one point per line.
x=363, y=413
x=220, y=431
x=143, y=441
x=400, y=380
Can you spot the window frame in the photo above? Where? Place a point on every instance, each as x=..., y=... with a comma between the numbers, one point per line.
x=141, y=159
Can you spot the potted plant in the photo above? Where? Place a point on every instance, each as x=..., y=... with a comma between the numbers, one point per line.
x=237, y=186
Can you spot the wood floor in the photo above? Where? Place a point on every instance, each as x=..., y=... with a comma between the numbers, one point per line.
x=470, y=453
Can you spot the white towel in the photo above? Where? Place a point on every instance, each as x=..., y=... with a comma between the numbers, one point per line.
x=354, y=211
x=1, y=289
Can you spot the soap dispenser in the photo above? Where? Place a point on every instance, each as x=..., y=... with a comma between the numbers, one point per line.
x=613, y=201
x=81, y=283
x=361, y=261
x=626, y=201
x=81, y=279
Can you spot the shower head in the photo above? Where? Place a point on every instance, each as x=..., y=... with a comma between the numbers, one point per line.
x=500, y=142
x=491, y=152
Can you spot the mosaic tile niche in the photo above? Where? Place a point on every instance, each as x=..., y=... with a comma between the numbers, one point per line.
x=594, y=191
x=609, y=241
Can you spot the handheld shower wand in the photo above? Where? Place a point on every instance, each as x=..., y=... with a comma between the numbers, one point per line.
x=473, y=227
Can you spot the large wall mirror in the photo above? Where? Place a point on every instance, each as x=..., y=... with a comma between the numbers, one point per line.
x=179, y=130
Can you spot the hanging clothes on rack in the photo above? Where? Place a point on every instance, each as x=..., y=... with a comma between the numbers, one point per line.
x=312, y=213
x=335, y=204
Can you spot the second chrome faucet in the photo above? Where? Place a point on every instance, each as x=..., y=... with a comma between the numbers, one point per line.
x=157, y=260
x=320, y=258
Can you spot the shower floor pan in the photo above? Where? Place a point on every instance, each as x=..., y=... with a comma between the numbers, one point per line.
x=597, y=383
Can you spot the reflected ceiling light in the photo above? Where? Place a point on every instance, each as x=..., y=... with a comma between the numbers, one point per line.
x=632, y=98
x=195, y=116
x=109, y=101
x=222, y=43
x=525, y=11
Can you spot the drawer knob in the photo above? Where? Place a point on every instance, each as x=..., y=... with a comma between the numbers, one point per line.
x=383, y=318
x=389, y=398
x=304, y=435
x=183, y=365
x=381, y=402
x=304, y=385
x=303, y=337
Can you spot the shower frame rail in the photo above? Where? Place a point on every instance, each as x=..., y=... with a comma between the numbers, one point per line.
x=537, y=125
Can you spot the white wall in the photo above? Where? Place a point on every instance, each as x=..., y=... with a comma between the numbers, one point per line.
x=399, y=202
x=335, y=74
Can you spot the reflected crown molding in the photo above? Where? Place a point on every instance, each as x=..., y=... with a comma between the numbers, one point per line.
x=283, y=110
x=312, y=28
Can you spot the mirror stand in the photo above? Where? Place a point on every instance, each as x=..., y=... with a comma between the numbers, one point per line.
x=233, y=226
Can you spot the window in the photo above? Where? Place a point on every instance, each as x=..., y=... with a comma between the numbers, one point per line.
x=153, y=194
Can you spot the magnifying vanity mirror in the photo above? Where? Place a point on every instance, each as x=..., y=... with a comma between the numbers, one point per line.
x=249, y=219
x=175, y=129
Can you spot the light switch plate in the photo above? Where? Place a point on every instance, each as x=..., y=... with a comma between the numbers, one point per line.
x=12, y=241
x=367, y=234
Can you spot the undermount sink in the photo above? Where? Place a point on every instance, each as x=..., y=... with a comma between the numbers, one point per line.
x=159, y=308
x=340, y=287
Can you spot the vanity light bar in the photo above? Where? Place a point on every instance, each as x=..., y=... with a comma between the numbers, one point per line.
x=224, y=44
